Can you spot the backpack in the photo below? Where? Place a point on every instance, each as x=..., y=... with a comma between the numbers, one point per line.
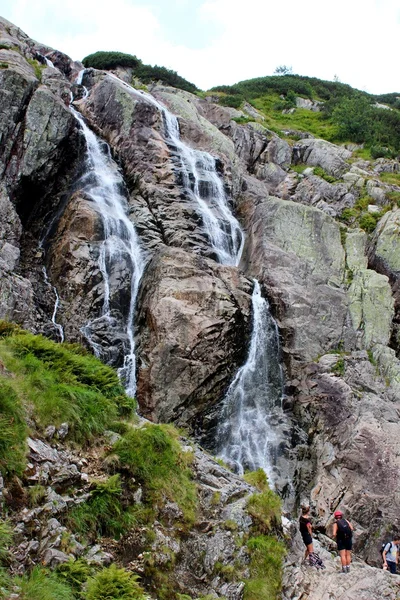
x=383, y=546
x=316, y=561
x=344, y=529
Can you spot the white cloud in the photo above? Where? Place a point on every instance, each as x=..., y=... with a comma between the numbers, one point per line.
x=356, y=40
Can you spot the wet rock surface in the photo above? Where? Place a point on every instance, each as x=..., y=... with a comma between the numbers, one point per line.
x=330, y=292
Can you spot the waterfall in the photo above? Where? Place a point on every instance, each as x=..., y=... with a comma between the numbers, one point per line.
x=56, y=305
x=252, y=421
x=103, y=183
x=198, y=174
x=252, y=418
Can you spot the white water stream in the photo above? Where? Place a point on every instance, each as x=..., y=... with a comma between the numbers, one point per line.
x=251, y=421
x=250, y=432
x=202, y=184
x=103, y=183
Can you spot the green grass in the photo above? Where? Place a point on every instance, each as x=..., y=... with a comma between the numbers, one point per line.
x=264, y=507
x=301, y=120
x=394, y=197
x=37, y=66
x=41, y=584
x=154, y=457
x=13, y=431
x=56, y=383
x=75, y=573
x=391, y=178
x=103, y=514
x=266, y=557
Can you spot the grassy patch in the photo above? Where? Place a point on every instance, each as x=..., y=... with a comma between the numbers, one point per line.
x=391, y=178
x=41, y=584
x=103, y=514
x=3, y=65
x=154, y=457
x=13, y=430
x=394, y=197
x=319, y=171
x=75, y=573
x=61, y=383
x=266, y=556
x=339, y=368
x=264, y=507
x=37, y=67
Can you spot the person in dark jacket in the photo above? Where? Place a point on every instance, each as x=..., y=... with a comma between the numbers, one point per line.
x=343, y=533
x=306, y=530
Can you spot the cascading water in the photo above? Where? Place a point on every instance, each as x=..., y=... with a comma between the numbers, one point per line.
x=198, y=173
x=252, y=417
x=253, y=423
x=103, y=183
x=56, y=305
x=252, y=420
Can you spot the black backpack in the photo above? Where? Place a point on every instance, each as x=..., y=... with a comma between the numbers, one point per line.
x=383, y=546
x=344, y=529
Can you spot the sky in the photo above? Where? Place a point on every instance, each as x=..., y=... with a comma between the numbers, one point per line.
x=215, y=42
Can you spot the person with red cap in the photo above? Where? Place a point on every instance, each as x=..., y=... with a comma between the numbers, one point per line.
x=343, y=533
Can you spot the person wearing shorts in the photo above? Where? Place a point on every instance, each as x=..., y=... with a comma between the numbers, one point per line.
x=306, y=530
x=343, y=533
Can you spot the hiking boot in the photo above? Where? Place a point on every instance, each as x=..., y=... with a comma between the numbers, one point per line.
x=348, y=568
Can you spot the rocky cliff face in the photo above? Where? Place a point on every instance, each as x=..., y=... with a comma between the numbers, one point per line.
x=334, y=290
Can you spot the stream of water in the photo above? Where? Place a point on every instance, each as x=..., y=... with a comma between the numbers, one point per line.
x=103, y=183
x=252, y=420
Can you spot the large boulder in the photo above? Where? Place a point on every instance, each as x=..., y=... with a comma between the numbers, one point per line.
x=316, y=152
x=193, y=327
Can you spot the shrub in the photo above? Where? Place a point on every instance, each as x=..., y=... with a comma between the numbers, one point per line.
x=266, y=556
x=41, y=584
x=147, y=73
x=154, y=457
x=13, y=431
x=103, y=513
x=110, y=60
x=114, y=584
x=368, y=222
x=75, y=573
x=232, y=101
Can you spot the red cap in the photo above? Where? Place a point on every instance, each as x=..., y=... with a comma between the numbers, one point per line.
x=338, y=514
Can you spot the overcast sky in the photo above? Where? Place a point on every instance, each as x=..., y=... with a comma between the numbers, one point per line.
x=211, y=42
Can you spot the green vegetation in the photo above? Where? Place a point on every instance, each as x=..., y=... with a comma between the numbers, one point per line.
x=41, y=584
x=154, y=457
x=266, y=556
x=75, y=573
x=114, y=584
x=265, y=549
x=13, y=431
x=391, y=178
x=347, y=114
x=110, y=60
x=38, y=68
x=57, y=383
x=265, y=507
x=339, y=368
x=103, y=513
x=3, y=65
x=146, y=73
x=359, y=216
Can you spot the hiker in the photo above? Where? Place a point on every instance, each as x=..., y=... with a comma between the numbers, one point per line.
x=390, y=554
x=306, y=530
x=343, y=533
